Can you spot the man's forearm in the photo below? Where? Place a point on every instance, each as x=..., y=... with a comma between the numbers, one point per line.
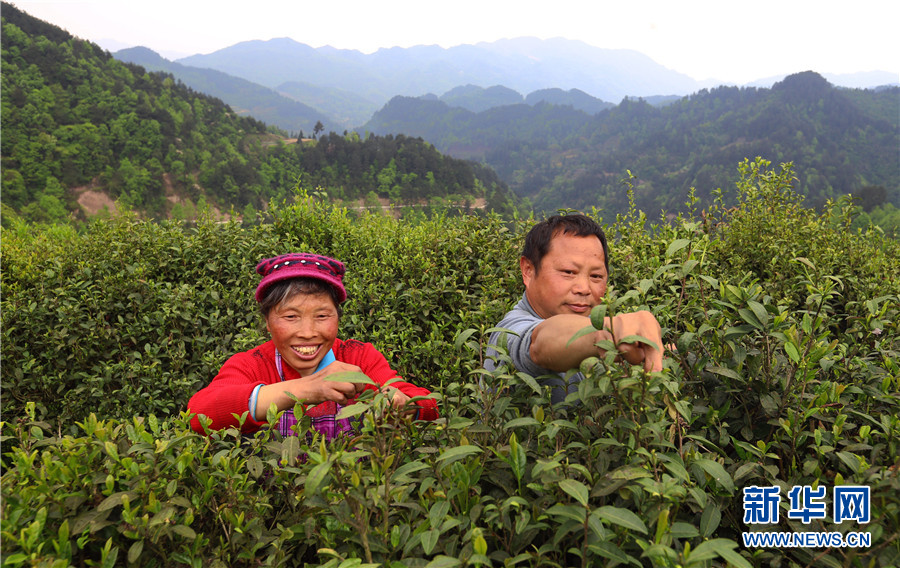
x=550, y=346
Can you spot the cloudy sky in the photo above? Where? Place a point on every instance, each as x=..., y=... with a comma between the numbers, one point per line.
x=730, y=41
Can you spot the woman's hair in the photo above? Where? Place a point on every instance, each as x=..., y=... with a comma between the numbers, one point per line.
x=283, y=290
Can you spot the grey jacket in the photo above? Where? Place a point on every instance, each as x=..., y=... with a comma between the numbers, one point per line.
x=521, y=321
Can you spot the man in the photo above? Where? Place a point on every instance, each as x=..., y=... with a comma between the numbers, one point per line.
x=565, y=268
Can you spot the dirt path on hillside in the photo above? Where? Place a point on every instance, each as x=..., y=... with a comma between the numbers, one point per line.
x=94, y=201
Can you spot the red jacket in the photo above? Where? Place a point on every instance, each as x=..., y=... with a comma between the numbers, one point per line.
x=229, y=392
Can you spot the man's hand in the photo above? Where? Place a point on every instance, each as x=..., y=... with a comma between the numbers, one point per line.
x=643, y=324
x=552, y=348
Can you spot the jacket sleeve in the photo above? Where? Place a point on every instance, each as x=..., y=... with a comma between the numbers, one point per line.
x=227, y=396
x=376, y=367
x=520, y=325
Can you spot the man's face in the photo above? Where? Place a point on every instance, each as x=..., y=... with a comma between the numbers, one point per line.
x=572, y=278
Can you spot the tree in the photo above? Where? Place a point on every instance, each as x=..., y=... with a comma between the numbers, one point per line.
x=871, y=196
x=371, y=201
x=319, y=127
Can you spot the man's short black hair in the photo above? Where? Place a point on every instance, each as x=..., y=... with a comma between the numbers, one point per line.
x=537, y=241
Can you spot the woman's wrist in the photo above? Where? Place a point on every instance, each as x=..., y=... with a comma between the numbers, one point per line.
x=254, y=399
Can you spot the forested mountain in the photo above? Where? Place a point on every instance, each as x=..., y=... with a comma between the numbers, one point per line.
x=244, y=97
x=574, y=98
x=76, y=119
x=858, y=80
x=840, y=141
x=478, y=99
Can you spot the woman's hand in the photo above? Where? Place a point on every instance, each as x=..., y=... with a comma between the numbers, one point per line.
x=400, y=405
x=400, y=401
x=314, y=389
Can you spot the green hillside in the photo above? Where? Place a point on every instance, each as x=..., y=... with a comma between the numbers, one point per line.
x=573, y=97
x=246, y=98
x=840, y=141
x=73, y=116
x=76, y=121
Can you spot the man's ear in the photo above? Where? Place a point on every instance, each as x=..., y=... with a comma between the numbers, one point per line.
x=528, y=271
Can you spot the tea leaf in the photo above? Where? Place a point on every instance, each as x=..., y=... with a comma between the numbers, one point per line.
x=116, y=499
x=576, y=489
x=621, y=517
x=458, y=453
x=350, y=377
x=429, y=540
x=676, y=246
x=351, y=410
x=317, y=477
x=717, y=472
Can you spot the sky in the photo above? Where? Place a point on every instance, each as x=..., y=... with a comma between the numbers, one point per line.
x=724, y=40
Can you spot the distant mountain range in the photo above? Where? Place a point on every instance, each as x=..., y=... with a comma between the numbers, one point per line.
x=523, y=64
x=346, y=87
x=283, y=108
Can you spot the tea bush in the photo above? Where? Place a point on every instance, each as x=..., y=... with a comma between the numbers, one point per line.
x=125, y=319
x=131, y=317
x=782, y=370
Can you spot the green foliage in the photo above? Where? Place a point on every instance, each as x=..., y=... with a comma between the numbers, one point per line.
x=74, y=118
x=247, y=98
x=781, y=369
x=127, y=318
x=841, y=139
x=885, y=218
x=402, y=169
x=144, y=313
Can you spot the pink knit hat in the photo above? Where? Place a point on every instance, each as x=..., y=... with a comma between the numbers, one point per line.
x=301, y=265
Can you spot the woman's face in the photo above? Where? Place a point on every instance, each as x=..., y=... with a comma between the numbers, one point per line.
x=303, y=329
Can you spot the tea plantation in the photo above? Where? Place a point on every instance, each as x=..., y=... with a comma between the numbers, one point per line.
x=782, y=370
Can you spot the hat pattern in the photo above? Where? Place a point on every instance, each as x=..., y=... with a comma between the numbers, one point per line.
x=301, y=265
x=330, y=266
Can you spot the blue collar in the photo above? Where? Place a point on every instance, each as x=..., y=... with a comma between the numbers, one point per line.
x=526, y=305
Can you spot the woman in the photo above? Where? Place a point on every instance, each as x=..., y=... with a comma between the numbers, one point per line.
x=300, y=297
